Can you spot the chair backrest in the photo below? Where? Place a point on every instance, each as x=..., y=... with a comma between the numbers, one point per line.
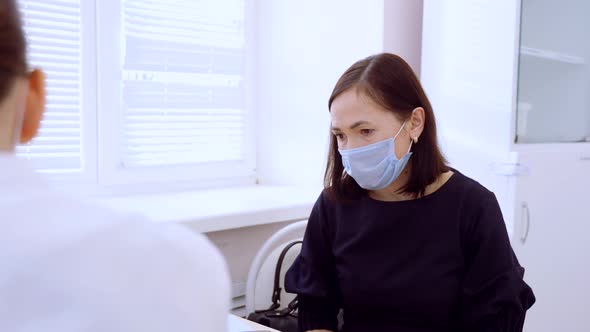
x=259, y=285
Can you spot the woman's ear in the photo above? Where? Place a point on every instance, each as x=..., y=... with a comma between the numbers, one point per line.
x=416, y=124
x=34, y=106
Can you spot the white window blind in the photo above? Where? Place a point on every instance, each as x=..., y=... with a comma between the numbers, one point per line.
x=183, y=71
x=53, y=28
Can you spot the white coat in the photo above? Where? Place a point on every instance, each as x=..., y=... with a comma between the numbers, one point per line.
x=69, y=266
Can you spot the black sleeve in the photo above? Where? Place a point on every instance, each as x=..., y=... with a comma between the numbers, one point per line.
x=312, y=276
x=494, y=294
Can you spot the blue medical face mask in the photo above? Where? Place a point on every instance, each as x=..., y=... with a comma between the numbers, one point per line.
x=375, y=166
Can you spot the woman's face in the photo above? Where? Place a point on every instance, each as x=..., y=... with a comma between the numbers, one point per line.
x=357, y=121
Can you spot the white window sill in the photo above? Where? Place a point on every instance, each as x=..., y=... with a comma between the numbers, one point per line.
x=221, y=209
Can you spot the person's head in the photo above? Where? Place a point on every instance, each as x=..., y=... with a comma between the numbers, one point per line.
x=376, y=99
x=22, y=92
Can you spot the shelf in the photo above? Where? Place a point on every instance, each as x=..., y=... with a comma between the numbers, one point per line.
x=552, y=56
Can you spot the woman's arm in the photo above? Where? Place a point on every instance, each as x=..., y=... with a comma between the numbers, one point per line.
x=495, y=296
x=313, y=275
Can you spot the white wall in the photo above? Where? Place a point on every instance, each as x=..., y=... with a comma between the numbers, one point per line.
x=304, y=47
x=239, y=246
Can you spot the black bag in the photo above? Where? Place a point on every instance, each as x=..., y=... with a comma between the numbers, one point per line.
x=285, y=319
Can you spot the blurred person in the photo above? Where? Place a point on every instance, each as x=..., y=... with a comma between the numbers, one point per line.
x=70, y=266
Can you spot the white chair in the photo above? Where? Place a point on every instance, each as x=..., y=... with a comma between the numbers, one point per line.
x=259, y=285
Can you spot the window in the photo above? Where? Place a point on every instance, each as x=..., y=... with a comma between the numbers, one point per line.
x=144, y=91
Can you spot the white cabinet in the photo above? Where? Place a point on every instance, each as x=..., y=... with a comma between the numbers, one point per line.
x=551, y=239
x=510, y=85
x=553, y=74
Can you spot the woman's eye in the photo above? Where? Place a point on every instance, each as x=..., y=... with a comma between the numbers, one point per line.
x=339, y=136
x=367, y=132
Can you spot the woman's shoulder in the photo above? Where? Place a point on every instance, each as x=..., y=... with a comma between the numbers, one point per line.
x=331, y=209
x=327, y=199
x=325, y=203
x=330, y=202
x=472, y=198
x=480, y=209
x=470, y=189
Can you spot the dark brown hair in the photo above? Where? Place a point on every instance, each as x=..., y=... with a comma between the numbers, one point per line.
x=13, y=47
x=390, y=82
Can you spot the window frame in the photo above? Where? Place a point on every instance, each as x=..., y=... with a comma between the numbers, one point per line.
x=101, y=171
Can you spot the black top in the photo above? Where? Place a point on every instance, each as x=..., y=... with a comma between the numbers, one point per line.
x=442, y=262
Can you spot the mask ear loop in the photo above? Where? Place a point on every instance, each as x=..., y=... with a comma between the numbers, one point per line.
x=399, y=131
x=410, y=147
x=413, y=140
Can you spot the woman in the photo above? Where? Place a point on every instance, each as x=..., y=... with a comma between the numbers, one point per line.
x=399, y=240
x=68, y=266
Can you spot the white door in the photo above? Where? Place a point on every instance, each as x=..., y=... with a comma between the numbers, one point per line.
x=468, y=71
x=551, y=239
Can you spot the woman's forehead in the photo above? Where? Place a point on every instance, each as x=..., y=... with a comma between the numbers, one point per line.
x=351, y=107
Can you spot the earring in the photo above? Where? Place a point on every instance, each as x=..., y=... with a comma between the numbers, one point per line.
x=415, y=139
